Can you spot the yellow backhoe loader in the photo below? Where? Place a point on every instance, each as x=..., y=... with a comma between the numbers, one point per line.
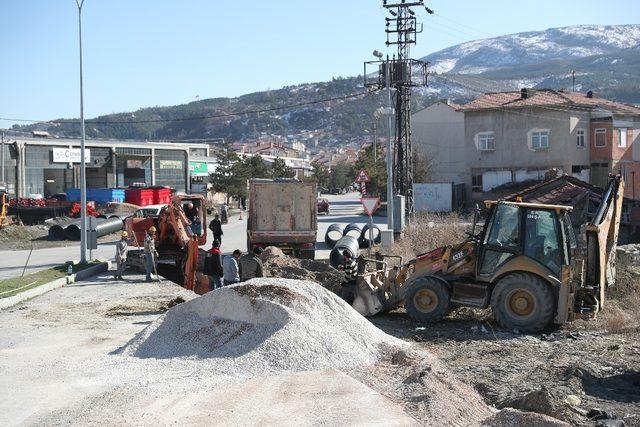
x=525, y=263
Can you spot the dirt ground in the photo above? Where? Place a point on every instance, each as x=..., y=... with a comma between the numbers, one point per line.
x=24, y=236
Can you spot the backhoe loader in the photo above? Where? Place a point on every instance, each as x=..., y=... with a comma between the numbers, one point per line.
x=525, y=263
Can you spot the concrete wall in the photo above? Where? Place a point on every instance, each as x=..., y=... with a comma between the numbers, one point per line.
x=438, y=130
x=513, y=153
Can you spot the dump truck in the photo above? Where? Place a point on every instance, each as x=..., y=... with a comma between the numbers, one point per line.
x=526, y=263
x=282, y=213
x=176, y=243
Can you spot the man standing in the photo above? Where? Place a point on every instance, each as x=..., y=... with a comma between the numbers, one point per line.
x=121, y=255
x=231, y=273
x=251, y=265
x=213, y=265
x=150, y=253
x=216, y=228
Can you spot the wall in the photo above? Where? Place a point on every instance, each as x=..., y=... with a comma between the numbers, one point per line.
x=439, y=131
x=433, y=197
x=10, y=167
x=171, y=169
x=512, y=153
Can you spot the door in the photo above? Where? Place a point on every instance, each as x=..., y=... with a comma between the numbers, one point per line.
x=501, y=240
x=543, y=240
x=53, y=181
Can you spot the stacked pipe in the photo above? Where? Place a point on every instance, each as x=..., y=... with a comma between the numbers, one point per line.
x=358, y=232
x=70, y=229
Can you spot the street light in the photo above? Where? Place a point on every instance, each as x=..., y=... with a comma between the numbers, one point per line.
x=83, y=180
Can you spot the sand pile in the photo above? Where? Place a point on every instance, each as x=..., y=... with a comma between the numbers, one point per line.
x=277, y=264
x=266, y=325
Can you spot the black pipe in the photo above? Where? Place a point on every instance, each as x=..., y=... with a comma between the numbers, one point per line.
x=56, y=231
x=346, y=243
x=103, y=227
x=364, y=237
x=337, y=232
x=352, y=229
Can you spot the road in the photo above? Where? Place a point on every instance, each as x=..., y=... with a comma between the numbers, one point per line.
x=345, y=209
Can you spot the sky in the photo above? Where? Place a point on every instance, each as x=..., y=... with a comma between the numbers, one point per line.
x=143, y=53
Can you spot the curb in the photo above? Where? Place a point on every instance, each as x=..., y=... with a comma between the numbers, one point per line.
x=55, y=284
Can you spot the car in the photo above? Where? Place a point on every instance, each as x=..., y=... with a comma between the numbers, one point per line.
x=323, y=206
x=152, y=211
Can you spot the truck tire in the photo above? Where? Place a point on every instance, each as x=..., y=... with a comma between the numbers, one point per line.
x=427, y=299
x=523, y=301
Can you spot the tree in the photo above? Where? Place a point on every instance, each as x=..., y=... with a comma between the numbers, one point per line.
x=225, y=178
x=422, y=165
x=376, y=170
x=321, y=175
x=341, y=176
x=279, y=169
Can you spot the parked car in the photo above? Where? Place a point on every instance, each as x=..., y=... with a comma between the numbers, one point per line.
x=323, y=206
x=148, y=211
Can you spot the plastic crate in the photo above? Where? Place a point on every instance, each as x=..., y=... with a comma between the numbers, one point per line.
x=139, y=196
x=99, y=195
x=161, y=195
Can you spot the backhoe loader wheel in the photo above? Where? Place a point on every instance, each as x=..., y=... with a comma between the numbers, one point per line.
x=523, y=301
x=427, y=299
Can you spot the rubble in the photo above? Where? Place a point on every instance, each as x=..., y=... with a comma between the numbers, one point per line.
x=277, y=264
x=628, y=254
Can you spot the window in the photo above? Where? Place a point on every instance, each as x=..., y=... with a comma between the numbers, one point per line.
x=601, y=137
x=622, y=138
x=580, y=138
x=541, y=239
x=578, y=168
x=476, y=182
x=503, y=238
x=486, y=141
x=539, y=139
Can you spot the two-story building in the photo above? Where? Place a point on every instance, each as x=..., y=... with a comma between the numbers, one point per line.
x=511, y=137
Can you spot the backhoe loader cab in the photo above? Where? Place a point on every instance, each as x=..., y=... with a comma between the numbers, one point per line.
x=525, y=264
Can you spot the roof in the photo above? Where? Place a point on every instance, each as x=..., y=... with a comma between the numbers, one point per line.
x=547, y=98
x=489, y=203
x=564, y=189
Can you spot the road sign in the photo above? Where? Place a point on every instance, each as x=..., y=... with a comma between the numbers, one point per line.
x=370, y=204
x=363, y=176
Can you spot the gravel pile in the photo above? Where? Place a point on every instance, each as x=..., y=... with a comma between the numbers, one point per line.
x=277, y=264
x=266, y=326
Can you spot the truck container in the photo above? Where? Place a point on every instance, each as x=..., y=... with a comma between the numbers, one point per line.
x=282, y=213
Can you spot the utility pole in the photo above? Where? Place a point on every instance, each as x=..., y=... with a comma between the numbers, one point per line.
x=375, y=139
x=573, y=80
x=4, y=183
x=402, y=73
x=83, y=178
x=389, y=111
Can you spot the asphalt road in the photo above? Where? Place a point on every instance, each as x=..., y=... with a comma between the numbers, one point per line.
x=344, y=209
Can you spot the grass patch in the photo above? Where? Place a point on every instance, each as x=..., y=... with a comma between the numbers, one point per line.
x=621, y=313
x=15, y=285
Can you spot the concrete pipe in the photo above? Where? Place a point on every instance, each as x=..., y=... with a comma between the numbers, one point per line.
x=365, y=238
x=333, y=234
x=103, y=227
x=57, y=231
x=353, y=230
x=346, y=243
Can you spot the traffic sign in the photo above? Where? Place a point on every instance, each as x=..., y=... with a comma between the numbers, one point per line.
x=362, y=176
x=370, y=204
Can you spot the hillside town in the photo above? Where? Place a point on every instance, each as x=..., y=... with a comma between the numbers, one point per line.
x=451, y=239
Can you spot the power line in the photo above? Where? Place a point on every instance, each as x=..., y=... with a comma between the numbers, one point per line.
x=185, y=119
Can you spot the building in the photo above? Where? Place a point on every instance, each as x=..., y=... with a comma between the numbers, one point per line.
x=47, y=166
x=511, y=137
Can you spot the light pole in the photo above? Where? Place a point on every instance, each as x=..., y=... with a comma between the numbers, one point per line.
x=83, y=180
x=2, y=159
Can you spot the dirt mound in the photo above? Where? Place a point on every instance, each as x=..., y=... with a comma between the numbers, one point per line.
x=277, y=264
x=513, y=417
x=266, y=325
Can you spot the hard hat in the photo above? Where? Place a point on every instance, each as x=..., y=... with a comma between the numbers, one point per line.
x=125, y=234
x=152, y=229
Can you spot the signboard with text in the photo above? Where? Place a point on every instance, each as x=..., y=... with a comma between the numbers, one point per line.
x=70, y=155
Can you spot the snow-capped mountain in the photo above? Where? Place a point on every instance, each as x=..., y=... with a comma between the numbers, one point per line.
x=565, y=43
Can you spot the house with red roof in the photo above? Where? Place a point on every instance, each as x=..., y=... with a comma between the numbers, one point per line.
x=519, y=136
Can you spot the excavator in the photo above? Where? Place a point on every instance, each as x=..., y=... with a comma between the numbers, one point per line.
x=525, y=263
x=176, y=244
x=4, y=206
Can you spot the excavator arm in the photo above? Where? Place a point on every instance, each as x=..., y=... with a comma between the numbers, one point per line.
x=601, y=239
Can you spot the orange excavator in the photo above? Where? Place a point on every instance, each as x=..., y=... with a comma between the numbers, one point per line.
x=177, y=241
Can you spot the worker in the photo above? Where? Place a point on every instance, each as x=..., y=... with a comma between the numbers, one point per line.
x=231, y=272
x=189, y=211
x=213, y=265
x=350, y=268
x=216, y=228
x=150, y=253
x=196, y=223
x=251, y=265
x=121, y=255
x=224, y=210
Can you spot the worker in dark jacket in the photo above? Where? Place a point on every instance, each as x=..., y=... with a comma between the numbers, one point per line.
x=251, y=265
x=216, y=228
x=213, y=265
